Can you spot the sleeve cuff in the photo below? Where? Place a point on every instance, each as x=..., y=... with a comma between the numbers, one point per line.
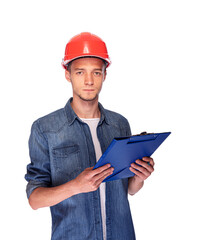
x=32, y=185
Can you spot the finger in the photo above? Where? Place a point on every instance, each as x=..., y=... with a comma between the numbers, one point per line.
x=101, y=169
x=90, y=168
x=104, y=175
x=141, y=169
x=145, y=165
x=152, y=163
x=149, y=160
x=138, y=173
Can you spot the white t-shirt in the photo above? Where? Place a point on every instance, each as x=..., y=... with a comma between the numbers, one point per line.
x=92, y=123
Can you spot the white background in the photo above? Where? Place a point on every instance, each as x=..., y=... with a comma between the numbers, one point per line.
x=153, y=81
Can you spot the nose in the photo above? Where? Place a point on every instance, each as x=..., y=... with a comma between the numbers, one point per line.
x=89, y=79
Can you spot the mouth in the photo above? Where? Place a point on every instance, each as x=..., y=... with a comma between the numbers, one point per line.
x=88, y=90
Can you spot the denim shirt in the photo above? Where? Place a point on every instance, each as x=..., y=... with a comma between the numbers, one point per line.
x=61, y=147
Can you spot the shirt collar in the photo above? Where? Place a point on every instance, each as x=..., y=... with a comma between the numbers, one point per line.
x=71, y=115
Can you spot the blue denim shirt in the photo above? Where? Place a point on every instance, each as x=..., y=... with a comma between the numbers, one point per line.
x=60, y=148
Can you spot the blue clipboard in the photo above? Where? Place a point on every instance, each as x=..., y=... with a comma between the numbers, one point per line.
x=126, y=150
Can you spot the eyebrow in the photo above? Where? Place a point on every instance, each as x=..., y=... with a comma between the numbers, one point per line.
x=79, y=69
x=96, y=69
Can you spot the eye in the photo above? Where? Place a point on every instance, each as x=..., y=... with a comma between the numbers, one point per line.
x=79, y=73
x=97, y=74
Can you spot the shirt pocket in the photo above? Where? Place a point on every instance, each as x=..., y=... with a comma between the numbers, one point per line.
x=67, y=162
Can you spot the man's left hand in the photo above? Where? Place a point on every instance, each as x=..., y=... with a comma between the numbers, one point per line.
x=143, y=170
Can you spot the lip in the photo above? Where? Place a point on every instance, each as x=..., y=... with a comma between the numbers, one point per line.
x=88, y=90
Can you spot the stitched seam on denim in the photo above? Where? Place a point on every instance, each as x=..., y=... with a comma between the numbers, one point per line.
x=42, y=134
x=56, y=131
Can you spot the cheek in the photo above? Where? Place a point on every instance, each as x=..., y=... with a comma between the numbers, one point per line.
x=75, y=87
x=101, y=83
x=76, y=83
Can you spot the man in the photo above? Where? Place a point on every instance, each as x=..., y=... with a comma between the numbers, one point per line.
x=64, y=147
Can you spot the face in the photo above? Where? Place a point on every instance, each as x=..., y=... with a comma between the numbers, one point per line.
x=86, y=76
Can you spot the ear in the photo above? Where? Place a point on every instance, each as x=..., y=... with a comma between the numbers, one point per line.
x=67, y=76
x=105, y=73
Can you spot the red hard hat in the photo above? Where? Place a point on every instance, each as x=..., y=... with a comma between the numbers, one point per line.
x=83, y=45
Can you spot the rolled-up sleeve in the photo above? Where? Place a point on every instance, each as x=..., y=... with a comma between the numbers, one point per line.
x=38, y=171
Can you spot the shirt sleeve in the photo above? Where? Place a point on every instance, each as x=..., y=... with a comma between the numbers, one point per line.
x=38, y=171
x=128, y=129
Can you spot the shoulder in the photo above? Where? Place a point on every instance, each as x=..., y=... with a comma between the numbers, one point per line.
x=51, y=122
x=118, y=121
x=114, y=116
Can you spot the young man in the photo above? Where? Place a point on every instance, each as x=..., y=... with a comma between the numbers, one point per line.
x=64, y=147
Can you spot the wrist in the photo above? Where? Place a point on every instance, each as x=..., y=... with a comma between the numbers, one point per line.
x=134, y=185
x=75, y=187
x=138, y=180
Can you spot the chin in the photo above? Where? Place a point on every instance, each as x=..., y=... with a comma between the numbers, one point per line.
x=88, y=99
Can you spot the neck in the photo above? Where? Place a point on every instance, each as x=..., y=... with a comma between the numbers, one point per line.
x=85, y=109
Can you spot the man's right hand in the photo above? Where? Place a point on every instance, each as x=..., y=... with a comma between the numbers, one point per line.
x=89, y=180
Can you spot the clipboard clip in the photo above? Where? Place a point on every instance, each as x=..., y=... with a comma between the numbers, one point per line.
x=139, y=137
x=143, y=133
